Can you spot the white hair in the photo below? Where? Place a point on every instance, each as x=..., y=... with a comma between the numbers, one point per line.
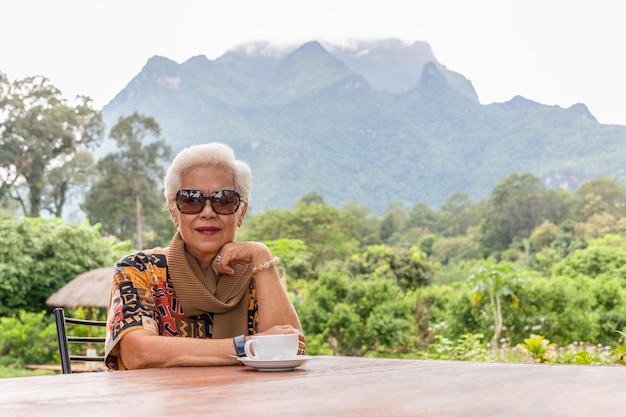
x=207, y=155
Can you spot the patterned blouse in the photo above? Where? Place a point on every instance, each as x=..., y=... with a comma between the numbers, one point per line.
x=144, y=297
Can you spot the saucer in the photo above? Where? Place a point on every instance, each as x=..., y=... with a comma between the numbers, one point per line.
x=274, y=364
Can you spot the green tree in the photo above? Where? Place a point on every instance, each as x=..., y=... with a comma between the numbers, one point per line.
x=367, y=224
x=602, y=195
x=598, y=225
x=603, y=258
x=329, y=233
x=348, y=315
x=543, y=236
x=560, y=307
x=39, y=132
x=76, y=173
x=453, y=249
x=28, y=338
x=294, y=257
x=518, y=204
x=38, y=256
x=495, y=281
x=395, y=221
x=458, y=213
x=408, y=268
x=601, y=209
x=423, y=216
x=312, y=198
x=124, y=199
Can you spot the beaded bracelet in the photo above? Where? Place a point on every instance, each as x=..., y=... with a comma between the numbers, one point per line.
x=266, y=265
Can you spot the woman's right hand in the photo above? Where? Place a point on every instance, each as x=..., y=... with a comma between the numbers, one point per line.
x=234, y=253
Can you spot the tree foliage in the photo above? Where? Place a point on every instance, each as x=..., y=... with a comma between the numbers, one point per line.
x=295, y=258
x=458, y=214
x=126, y=197
x=356, y=298
x=602, y=195
x=495, y=283
x=572, y=287
x=65, y=180
x=329, y=232
x=38, y=256
x=353, y=316
x=517, y=205
x=408, y=268
x=28, y=338
x=603, y=258
x=40, y=133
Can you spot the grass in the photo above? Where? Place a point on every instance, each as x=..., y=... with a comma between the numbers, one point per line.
x=7, y=372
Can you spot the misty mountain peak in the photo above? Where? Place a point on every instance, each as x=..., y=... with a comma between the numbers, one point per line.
x=198, y=63
x=311, y=53
x=389, y=65
x=309, y=68
x=371, y=121
x=582, y=110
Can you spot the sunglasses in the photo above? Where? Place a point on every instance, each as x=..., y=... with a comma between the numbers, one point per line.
x=193, y=201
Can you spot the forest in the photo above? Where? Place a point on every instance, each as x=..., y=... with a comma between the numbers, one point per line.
x=528, y=274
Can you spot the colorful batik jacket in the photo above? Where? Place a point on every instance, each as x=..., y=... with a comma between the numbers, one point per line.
x=143, y=297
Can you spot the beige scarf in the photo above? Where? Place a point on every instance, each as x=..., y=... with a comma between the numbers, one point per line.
x=199, y=292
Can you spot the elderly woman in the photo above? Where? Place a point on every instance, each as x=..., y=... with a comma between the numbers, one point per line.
x=206, y=290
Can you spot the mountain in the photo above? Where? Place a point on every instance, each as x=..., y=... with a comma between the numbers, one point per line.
x=376, y=122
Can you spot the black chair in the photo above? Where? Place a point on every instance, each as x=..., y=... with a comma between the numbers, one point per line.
x=64, y=340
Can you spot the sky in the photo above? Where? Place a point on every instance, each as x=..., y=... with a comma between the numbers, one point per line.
x=555, y=52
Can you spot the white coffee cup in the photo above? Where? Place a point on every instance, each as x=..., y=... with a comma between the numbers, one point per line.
x=272, y=347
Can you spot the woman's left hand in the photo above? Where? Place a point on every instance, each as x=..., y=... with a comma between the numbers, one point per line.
x=287, y=329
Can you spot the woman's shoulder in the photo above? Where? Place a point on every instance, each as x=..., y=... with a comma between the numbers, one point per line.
x=143, y=258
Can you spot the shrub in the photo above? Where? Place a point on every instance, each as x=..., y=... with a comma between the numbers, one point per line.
x=38, y=256
x=28, y=338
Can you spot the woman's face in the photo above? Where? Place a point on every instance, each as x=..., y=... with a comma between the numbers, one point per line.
x=206, y=232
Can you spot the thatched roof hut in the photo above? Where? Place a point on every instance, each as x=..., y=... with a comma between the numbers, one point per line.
x=89, y=289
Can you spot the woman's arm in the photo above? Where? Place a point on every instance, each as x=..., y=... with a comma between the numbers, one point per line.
x=276, y=312
x=275, y=308
x=144, y=349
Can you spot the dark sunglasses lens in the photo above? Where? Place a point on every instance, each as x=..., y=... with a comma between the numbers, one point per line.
x=222, y=201
x=190, y=201
x=225, y=201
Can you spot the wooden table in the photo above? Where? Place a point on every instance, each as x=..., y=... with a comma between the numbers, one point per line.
x=328, y=386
